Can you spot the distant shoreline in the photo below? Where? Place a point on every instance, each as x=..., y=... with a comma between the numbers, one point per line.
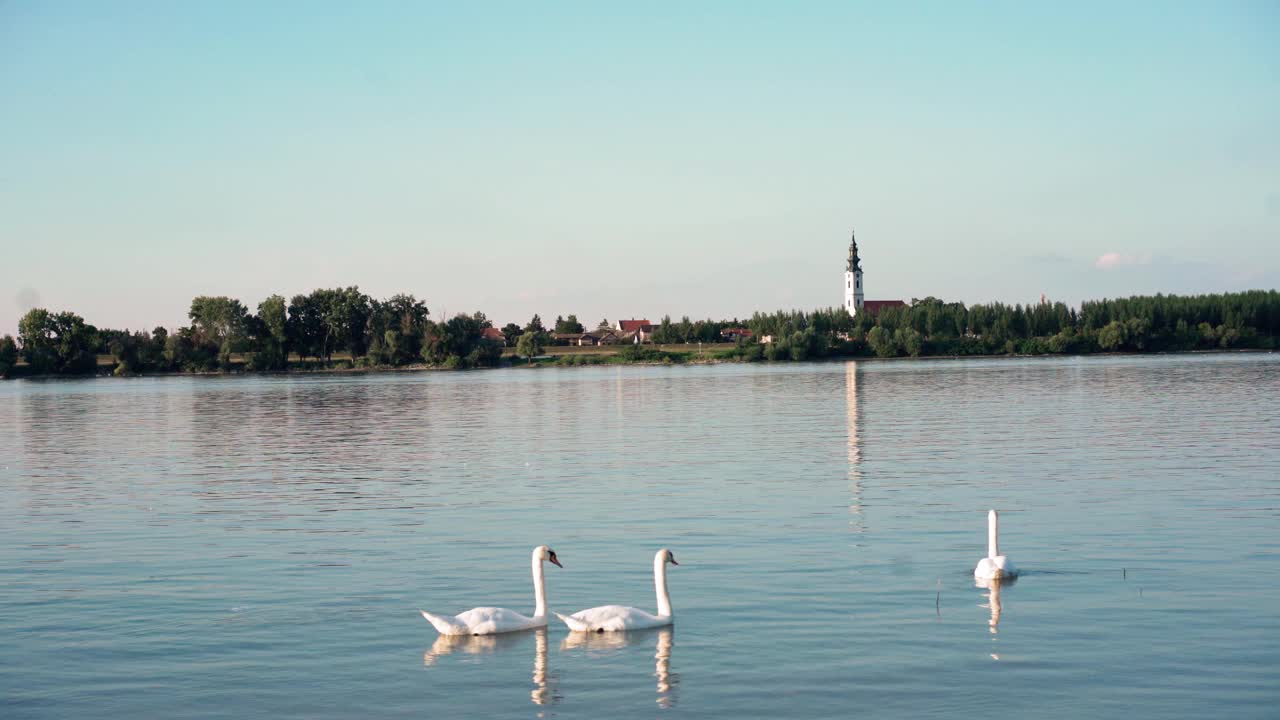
x=343, y=329
x=607, y=359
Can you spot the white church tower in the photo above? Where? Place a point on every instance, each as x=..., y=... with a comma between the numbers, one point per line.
x=853, y=279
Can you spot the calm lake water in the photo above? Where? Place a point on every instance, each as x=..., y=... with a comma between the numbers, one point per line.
x=248, y=546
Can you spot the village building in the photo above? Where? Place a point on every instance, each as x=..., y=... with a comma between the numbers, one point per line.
x=635, y=331
x=735, y=334
x=586, y=339
x=604, y=336
x=600, y=337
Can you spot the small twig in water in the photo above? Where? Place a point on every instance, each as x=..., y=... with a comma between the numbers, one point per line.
x=937, y=604
x=1125, y=572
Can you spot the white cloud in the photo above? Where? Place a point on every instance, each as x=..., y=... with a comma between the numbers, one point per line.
x=1107, y=261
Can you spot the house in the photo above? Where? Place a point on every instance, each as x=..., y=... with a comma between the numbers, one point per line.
x=566, y=338
x=600, y=337
x=587, y=339
x=735, y=334
x=632, y=325
x=874, y=306
x=635, y=331
x=494, y=334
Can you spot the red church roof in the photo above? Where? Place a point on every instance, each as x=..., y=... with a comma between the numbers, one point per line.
x=875, y=306
x=634, y=325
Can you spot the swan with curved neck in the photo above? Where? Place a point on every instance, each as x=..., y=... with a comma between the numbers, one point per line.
x=611, y=618
x=994, y=565
x=492, y=620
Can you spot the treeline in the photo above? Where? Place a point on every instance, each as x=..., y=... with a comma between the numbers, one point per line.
x=223, y=333
x=929, y=326
x=397, y=331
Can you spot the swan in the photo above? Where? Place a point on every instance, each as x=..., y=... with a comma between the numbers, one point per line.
x=609, y=618
x=994, y=565
x=492, y=620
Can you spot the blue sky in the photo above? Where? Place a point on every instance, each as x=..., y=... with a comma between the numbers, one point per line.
x=612, y=160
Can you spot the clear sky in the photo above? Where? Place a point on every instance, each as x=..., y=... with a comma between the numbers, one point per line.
x=613, y=160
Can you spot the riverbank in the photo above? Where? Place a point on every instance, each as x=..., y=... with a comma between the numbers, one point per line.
x=560, y=357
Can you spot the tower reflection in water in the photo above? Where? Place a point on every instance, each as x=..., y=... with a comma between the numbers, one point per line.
x=667, y=681
x=854, y=446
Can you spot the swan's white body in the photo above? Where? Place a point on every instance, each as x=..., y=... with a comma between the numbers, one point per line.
x=994, y=566
x=493, y=620
x=612, y=618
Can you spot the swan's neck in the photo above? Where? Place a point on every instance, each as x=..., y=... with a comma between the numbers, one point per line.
x=660, y=585
x=539, y=589
x=993, y=541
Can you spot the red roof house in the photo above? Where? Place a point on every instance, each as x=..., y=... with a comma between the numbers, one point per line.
x=634, y=325
x=875, y=306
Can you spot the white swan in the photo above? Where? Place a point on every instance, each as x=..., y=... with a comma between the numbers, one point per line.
x=994, y=565
x=609, y=618
x=492, y=620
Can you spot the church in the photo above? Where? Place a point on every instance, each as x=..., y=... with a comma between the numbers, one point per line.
x=853, y=302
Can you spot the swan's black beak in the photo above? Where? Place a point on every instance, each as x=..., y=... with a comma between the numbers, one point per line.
x=556, y=561
x=673, y=560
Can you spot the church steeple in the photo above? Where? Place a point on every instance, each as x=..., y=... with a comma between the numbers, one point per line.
x=855, y=263
x=853, y=279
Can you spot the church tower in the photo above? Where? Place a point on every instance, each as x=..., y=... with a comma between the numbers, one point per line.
x=853, y=279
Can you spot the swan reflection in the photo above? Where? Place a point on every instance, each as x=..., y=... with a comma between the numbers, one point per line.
x=545, y=688
x=604, y=642
x=470, y=645
x=993, y=586
x=666, y=680
x=541, y=693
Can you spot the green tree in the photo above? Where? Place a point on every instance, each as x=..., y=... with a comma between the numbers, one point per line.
x=8, y=355
x=882, y=342
x=346, y=314
x=535, y=326
x=510, y=332
x=60, y=343
x=306, y=329
x=529, y=345
x=124, y=349
x=1113, y=336
x=35, y=333
x=910, y=340
x=153, y=355
x=459, y=342
x=270, y=330
x=221, y=325
x=568, y=325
